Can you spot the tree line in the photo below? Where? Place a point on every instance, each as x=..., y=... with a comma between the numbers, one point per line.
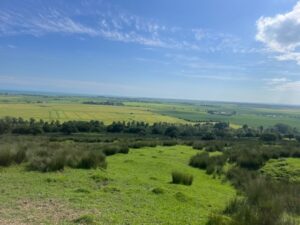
x=203, y=131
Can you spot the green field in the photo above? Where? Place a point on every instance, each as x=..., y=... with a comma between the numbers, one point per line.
x=71, y=111
x=65, y=108
x=121, y=194
x=285, y=168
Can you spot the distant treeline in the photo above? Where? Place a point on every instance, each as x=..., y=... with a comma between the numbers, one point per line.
x=103, y=103
x=204, y=131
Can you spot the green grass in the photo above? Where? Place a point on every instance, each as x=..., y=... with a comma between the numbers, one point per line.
x=285, y=168
x=135, y=189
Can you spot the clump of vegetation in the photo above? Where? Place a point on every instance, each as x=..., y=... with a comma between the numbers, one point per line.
x=11, y=154
x=91, y=159
x=85, y=220
x=158, y=190
x=44, y=160
x=181, y=197
x=182, y=178
x=211, y=164
x=200, y=160
x=114, y=149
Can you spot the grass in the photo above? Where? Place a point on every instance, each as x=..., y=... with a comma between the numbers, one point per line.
x=135, y=189
x=285, y=168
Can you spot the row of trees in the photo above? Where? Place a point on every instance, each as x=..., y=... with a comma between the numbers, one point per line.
x=204, y=131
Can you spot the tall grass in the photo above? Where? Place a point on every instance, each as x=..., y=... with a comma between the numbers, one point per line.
x=182, y=178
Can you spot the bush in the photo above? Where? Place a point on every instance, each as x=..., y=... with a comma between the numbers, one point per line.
x=44, y=161
x=200, y=160
x=182, y=178
x=6, y=157
x=91, y=159
x=169, y=143
x=10, y=155
x=114, y=149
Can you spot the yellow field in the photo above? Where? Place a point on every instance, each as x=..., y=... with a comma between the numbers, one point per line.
x=64, y=112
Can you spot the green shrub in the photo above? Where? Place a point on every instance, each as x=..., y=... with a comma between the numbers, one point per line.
x=6, y=157
x=182, y=178
x=44, y=161
x=114, y=149
x=198, y=145
x=91, y=159
x=200, y=160
x=169, y=143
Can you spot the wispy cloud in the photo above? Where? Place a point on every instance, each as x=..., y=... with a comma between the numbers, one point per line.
x=97, y=19
x=281, y=34
x=215, y=77
x=283, y=84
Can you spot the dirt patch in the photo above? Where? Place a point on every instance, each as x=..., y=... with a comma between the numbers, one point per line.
x=28, y=211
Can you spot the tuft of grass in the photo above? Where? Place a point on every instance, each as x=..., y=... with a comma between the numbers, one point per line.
x=85, y=220
x=182, y=178
x=82, y=190
x=181, y=197
x=158, y=190
x=92, y=159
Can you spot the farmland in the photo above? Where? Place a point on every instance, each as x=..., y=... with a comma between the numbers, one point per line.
x=71, y=111
x=64, y=108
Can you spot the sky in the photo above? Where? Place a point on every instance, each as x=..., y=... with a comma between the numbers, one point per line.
x=233, y=50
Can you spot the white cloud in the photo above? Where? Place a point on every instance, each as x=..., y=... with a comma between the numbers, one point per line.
x=99, y=20
x=281, y=34
x=283, y=84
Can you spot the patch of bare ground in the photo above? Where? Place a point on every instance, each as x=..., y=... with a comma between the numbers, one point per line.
x=33, y=212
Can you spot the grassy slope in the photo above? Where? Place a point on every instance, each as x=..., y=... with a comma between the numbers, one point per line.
x=287, y=168
x=126, y=198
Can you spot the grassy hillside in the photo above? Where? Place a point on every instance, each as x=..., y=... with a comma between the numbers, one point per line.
x=285, y=168
x=135, y=189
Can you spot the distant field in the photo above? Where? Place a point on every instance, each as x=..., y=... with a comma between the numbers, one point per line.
x=70, y=111
x=122, y=194
x=251, y=114
x=71, y=108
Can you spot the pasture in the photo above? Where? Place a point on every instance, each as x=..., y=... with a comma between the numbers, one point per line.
x=135, y=189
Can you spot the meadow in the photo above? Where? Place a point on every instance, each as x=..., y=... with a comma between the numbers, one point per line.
x=135, y=189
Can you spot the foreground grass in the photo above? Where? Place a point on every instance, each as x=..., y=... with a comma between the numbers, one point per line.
x=285, y=168
x=135, y=189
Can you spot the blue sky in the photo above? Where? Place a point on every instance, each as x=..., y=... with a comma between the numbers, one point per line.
x=208, y=50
